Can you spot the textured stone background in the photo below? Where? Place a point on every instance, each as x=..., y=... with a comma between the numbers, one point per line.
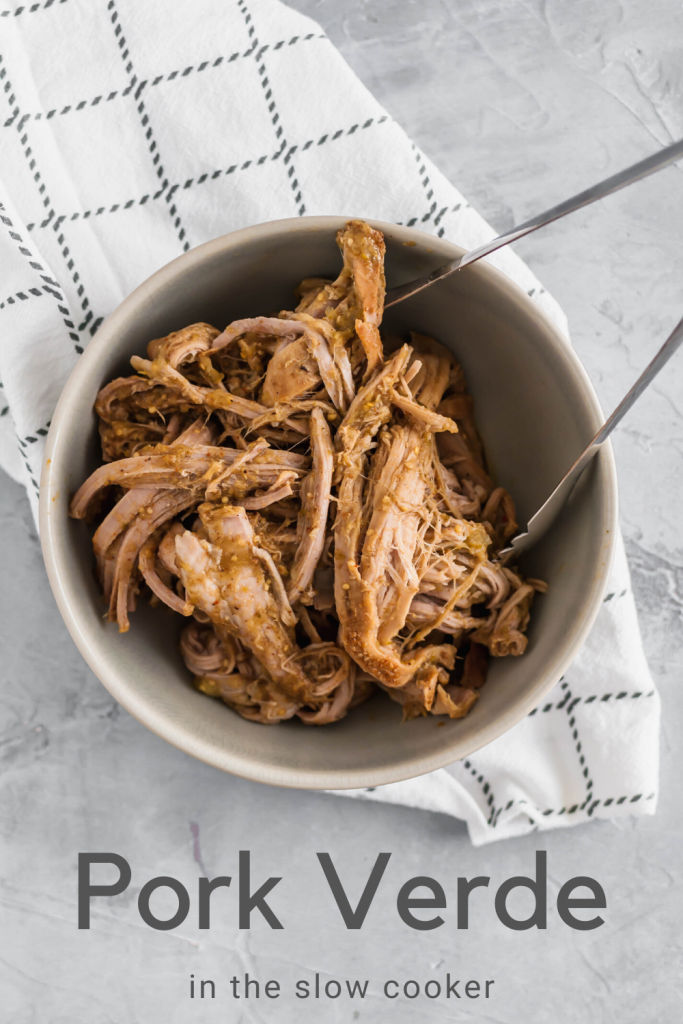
x=521, y=103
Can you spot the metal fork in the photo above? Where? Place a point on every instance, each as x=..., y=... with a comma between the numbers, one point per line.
x=547, y=513
x=549, y=510
x=604, y=188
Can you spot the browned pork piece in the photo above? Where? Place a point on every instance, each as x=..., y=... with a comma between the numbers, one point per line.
x=291, y=372
x=287, y=379
x=503, y=631
x=130, y=524
x=388, y=531
x=223, y=668
x=153, y=574
x=162, y=485
x=161, y=371
x=237, y=585
x=321, y=513
x=164, y=505
x=187, y=465
x=185, y=345
x=131, y=414
x=134, y=411
x=315, y=502
x=363, y=251
x=330, y=315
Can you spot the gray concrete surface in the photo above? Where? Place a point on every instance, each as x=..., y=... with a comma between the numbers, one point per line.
x=521, y=103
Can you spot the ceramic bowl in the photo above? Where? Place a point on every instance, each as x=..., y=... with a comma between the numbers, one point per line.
x=535, y=408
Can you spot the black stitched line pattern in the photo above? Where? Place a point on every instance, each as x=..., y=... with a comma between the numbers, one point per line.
x=611, y=596
x=606, y=802
x=222, y=61
x=50, y=286
x=487, y=791
x=441, y=232
x=444, y=209
x=22, y=296
x=29, y=9
x=144, y=119
x=427, y=217
x=53, y=288
x=27, y=466
x=92, y=327
x=426, y=184
x=272, y=108
x=47, y=203
x=30, y=439
x=568, y=704
x=211, y=176
x=495, y=814
x=623, y=694
x=7, y=88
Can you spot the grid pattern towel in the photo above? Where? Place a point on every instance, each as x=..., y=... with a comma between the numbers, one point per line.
x=131, y=132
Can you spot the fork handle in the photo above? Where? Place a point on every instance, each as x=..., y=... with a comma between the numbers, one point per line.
x=604, y=188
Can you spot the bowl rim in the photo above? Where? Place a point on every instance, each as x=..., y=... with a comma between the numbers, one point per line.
x=179, y=734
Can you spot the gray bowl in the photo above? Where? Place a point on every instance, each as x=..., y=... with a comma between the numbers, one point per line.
x=535, y=408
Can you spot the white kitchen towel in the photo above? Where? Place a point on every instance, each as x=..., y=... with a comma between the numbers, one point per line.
x=131, y=132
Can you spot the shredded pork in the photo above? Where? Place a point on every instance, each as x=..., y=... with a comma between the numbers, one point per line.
x=319, y=510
